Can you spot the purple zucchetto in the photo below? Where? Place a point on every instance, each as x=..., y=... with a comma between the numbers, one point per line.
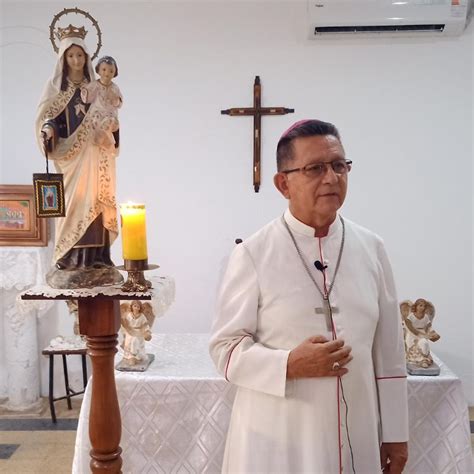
x=295, y=125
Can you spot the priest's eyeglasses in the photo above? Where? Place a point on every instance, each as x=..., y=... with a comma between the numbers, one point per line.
x=319, y=169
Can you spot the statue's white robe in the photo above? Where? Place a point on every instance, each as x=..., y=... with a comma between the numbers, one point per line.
x=266, y=307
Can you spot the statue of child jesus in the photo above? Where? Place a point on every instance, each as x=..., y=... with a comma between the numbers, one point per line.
x=106, y=99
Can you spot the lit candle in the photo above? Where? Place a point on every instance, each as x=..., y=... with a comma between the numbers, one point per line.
x=133, y=231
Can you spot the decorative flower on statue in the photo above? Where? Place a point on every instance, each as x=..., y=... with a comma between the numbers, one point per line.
x=137, y=320
x=417, y=326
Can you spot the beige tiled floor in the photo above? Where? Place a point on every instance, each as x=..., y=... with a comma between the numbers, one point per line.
x=41, y=452
x=62, y=410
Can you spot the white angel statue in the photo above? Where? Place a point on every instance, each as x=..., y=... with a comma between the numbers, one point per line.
x=137, y=319
x=417, y=321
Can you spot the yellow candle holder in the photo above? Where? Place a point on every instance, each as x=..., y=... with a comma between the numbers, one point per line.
x=136, y=281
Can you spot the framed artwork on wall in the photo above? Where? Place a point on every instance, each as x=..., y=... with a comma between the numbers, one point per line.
x=19, y=225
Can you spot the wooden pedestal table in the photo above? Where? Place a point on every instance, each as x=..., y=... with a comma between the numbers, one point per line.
x=99, y=320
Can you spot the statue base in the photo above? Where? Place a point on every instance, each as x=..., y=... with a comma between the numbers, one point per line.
x=433, y=369
x=140, y=366
x=83, y=277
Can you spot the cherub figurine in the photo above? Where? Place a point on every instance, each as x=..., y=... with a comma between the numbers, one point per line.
x=137, y=320
x=417, y=320
x=106, y=99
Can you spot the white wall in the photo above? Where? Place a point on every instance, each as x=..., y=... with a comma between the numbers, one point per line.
x=403, y=106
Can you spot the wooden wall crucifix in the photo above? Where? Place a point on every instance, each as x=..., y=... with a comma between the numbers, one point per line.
x=257, y=111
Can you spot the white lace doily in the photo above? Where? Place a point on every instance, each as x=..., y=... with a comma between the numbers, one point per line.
x=66, y=343
x=162, y=294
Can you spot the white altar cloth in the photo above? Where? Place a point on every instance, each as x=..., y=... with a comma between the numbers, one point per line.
x=20, y=268
x=175, y=416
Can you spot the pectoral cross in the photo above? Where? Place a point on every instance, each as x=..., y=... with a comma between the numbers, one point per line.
x=257, y=111
x=327, y=309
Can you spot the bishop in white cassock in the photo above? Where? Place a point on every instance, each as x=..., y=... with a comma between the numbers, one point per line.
x=308, y=329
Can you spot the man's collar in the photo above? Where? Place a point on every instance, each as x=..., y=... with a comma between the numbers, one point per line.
x=301, y=228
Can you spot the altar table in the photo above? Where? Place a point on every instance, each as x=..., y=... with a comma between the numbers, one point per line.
x=175, y=415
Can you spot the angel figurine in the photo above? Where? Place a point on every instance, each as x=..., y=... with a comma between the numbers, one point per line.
x=137, y=320
x=417, y=327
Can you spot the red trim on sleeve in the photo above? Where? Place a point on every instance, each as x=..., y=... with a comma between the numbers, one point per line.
x=396, y=377
x=230, y=355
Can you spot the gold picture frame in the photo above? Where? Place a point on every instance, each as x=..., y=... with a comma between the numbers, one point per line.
x=49, y=195
x=19, y=225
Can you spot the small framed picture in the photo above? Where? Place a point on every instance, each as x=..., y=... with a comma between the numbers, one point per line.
x=49, y=195
x=19, y=225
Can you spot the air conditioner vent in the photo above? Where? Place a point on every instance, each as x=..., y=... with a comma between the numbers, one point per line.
x=379, y=29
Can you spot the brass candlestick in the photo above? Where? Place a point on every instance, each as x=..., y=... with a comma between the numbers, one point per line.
x=136, y=279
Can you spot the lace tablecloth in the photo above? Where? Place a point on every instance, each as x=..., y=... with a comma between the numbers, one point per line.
x=21, y=267
x=175, y=416
x=440, y=439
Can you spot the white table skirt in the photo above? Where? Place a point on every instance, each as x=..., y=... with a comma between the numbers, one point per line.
x=175, y=416
x=20, y=268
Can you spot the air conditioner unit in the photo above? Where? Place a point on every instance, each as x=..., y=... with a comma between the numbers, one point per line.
x=328, y=18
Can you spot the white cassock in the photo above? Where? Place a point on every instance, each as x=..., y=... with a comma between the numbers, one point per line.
x=266, y=307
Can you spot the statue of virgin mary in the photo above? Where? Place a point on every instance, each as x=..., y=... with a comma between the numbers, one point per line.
x=64, y=129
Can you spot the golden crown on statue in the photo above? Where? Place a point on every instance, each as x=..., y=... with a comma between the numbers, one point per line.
x=71, y=32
